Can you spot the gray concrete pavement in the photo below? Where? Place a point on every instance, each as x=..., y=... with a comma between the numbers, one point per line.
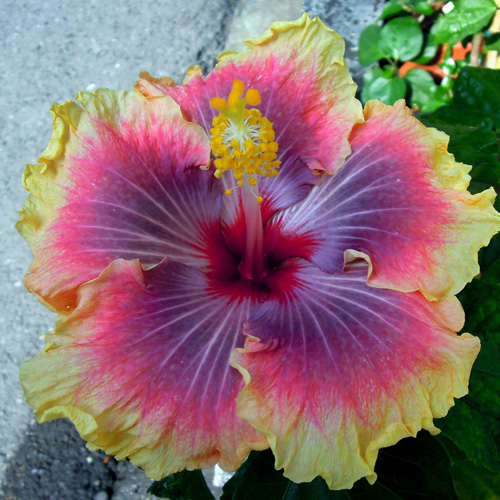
x=48, y=52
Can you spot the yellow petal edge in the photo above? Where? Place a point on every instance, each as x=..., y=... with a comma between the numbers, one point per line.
x=476, y=220
x=302, y=450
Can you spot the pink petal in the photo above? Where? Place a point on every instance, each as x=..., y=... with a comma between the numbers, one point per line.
x=141, y=368
x=335, y=370
x=402, y=200
x=121, y=179
x=307, y=93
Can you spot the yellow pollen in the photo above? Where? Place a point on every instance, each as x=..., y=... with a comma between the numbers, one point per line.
x=242, y=140
x=252, y=97
x=228, y=191
x=238, y=87
x=218, y=103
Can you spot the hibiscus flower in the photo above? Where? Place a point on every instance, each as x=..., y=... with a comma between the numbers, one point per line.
x=250, y=260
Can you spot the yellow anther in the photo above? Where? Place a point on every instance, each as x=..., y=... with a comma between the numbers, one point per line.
x=260, y=199
x=252, y=97
x=218, y=103
x=238, y=87
x=242, y=140
x=228, y=191
x=235, y=94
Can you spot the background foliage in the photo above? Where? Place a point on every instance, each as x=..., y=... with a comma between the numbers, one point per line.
x=419, y=48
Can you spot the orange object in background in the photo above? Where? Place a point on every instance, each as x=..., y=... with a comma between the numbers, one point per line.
x=459, y=54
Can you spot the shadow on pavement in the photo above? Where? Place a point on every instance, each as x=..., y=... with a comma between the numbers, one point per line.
x=53, y=462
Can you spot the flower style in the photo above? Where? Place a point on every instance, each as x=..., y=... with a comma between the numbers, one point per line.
x=248, y=261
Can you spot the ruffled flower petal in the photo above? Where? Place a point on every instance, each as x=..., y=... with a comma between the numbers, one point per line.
x=336, y=370
x=402, y=200
x=141, y=368
x=119, y=179
x=306, y=90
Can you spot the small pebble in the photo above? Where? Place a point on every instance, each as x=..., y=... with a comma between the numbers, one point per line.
x=101, y=495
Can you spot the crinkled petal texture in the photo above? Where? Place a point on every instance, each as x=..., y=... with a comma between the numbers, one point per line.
x=141, y=367
x=343, y=355
x=119, y=179
x=335, y=370
x=307, y=92
x=402, y=200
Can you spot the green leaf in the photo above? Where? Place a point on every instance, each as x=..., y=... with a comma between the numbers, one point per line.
x=467, y=18
x=369, y=50
x=428, y=53
x=478, y=146
x=371, y=75
x=389, y=71
x=440, y=98
x=185, y=485
x=472, y=121
x=471, y=482
x=424, y=8
x=376, y=85
x=492, y=42
x=475, y=483
x=411, y=470
x=392, y=8
x=481, y=300
x=423, y=89
x=429, y=49
x=478, y=90
x=474, y=431
x=474, y=423
x=401, y=39
x=257, y=478
x=489, y=255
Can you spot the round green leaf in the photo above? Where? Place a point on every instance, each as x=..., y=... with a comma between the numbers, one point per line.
x=424, y=8
x=430, y=48
x=423, y=89
x=401, y=39
x=391, y=8
x=369, y=51
x=424, y=92
x=371, y=75
x=428, y=54
x=387, y=90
